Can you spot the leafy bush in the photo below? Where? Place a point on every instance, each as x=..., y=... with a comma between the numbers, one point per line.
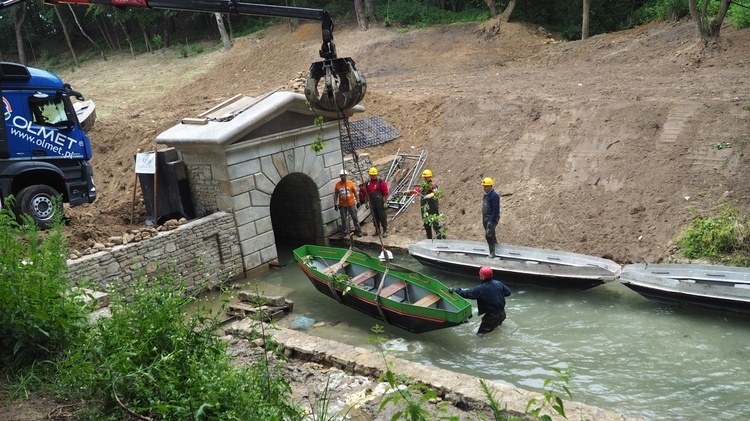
x=662, y=10
x=157, y=41
x=715, y=236
x=420, y=14
x=41, y=315
x=740, y=15
x=156, y=360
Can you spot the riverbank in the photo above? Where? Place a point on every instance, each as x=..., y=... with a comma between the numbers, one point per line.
x=348, y=376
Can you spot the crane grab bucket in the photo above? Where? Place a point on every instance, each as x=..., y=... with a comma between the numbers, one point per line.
x=335, y=85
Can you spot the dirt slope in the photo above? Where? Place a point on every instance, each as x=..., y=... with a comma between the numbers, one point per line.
x=607, y=146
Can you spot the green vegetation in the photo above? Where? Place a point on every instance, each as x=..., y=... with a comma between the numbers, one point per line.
x=409, y=398
x=42, y=316
x=154, y=359
x=723, y=238
x=420, y=15
x=551, y=397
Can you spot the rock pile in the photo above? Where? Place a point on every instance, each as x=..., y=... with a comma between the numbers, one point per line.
x=131, y=236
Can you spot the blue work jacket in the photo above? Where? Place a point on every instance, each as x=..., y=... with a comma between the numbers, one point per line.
x=490, y=295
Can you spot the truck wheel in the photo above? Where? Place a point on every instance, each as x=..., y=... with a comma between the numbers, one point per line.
x=38, y=202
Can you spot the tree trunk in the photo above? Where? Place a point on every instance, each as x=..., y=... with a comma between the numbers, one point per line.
x=105, y=33
x=85, y=34
x=359, y=11
x=493, y=8
x=19, y=16
x=586, y=15
x=370, y=11
x=65, y=33
x=509, y=10
x=127, y=37
x=709, y=27
x=223, y=31
x=146, y=40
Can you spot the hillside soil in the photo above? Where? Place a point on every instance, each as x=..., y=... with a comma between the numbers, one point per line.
x=607, y=147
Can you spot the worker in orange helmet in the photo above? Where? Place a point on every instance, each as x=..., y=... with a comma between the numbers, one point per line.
x=490, y=296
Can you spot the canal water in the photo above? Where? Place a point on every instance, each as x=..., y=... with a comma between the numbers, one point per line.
x=625, y=353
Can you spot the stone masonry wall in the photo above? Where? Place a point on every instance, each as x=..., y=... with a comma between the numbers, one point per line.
x=205, y=252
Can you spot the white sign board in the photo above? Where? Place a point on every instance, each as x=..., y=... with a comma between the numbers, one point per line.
x=145, y=163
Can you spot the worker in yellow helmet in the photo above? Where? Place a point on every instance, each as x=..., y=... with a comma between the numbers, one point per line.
x=427, y=192
x=490, y=214
x=377, y=195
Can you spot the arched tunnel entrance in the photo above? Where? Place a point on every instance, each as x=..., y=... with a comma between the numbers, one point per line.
x=295, y=212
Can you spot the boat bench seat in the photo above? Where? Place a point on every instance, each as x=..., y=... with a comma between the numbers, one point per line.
x=428, y=300
x=364, y=276
x=392, y=289
x=330, y=270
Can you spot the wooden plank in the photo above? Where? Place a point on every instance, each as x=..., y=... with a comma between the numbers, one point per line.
x=223, y=104
x=428, y=300
x=362, y=277
x=195, y=121
x=330, y=270
x=392, y=289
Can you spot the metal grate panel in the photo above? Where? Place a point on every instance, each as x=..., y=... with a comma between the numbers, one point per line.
x=368, y=132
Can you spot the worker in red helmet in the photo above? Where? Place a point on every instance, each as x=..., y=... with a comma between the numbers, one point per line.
x=490, y=296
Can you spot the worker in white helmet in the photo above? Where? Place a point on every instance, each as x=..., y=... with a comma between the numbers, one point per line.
x=346, y=202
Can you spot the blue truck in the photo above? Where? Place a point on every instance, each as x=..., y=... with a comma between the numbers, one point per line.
x=44, y=150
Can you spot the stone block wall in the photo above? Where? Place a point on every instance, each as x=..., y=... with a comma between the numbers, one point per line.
x=205, y=252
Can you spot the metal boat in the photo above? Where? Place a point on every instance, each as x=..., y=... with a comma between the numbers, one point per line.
x=516, y=264
x=724, y=288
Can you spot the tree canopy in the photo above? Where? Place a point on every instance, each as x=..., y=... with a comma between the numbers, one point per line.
x=35, y=31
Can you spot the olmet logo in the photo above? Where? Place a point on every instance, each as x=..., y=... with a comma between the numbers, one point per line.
x=6, y=107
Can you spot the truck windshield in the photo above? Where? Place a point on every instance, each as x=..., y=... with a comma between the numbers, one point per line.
x=48, y=111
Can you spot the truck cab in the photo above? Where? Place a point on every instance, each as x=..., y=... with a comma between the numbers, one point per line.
x=44, y=151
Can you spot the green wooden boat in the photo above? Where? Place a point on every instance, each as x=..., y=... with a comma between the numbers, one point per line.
x=395, y=295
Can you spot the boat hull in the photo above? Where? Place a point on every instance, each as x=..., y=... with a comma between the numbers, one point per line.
x=517, y=265
x=449, y=310
x=713, y=287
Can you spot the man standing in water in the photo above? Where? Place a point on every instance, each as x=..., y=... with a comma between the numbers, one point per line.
x=490, y=214
x=490, y=296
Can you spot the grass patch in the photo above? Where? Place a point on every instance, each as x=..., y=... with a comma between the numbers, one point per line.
x=722, y=238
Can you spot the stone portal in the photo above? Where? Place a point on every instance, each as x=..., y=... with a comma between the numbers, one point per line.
x=253, y=156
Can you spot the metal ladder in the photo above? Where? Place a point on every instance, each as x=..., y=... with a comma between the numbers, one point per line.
x=396, y=200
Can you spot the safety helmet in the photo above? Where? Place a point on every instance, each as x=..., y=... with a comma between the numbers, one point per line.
x=373, y=171
x=485, y=272
x=487, y=182
x=426, y=174
x=343, y=172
